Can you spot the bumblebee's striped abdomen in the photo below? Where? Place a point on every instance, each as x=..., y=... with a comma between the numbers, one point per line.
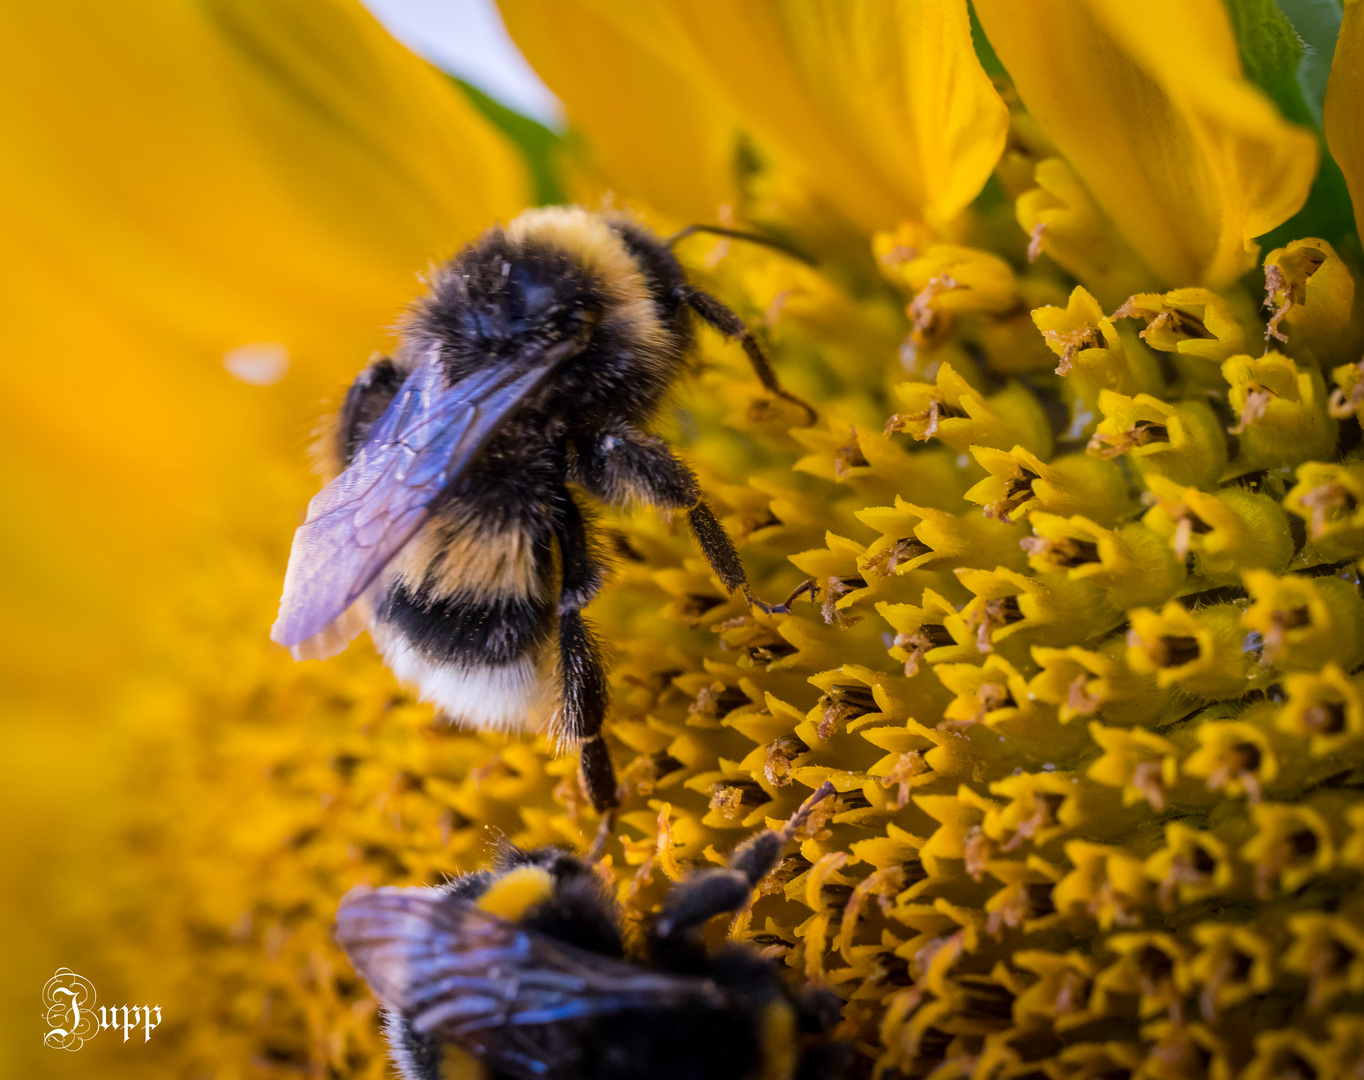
x=468, y=617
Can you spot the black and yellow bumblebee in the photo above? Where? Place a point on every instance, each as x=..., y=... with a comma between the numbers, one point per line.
x=521, y=974
x=448, y=528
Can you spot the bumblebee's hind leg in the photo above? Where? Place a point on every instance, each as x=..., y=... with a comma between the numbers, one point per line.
x=714, y=892
x=717, y=315
x=582, y=677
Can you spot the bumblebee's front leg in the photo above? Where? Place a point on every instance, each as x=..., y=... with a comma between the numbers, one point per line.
x=626, y=465
x=714, y=892
x=580, y=668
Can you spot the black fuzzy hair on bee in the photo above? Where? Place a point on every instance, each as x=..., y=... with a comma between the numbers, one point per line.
x=520, y=973
x=452, y=527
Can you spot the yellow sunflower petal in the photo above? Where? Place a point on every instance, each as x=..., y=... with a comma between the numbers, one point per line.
x=882, y=109
x=269, y=175
x=650, y=128
x=1149, y=105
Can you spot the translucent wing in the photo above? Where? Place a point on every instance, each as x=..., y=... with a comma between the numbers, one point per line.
x=356, y=524
x=517, y=999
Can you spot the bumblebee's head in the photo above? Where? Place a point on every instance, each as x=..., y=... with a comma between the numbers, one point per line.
x=554, y=273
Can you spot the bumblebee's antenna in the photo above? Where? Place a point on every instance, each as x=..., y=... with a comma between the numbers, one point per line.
x=740, y=234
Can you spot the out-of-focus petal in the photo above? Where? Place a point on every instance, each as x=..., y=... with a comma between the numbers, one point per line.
x=1149, y=105
x=1343, y=113
x=651, y=131
x=881, y=109
x=180, y=181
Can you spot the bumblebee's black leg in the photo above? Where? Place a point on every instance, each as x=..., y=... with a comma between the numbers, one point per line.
x=580, y=667
x=716, y=314
x=366, y=400
x=629, y=466
x=713, y=892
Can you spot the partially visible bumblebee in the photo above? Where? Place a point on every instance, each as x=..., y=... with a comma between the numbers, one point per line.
x=534, y=361
x=521, y=974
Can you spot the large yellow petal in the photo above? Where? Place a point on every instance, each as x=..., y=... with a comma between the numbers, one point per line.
x=652, y=134
x=1148, y=103
x=181, y=180
x=1343, y=113
x=880, y=108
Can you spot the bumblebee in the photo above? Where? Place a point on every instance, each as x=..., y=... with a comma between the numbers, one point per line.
x=534, y=362
x=521, y=973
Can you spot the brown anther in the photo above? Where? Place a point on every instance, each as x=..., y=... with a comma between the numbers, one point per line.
x=1110, y=444
x=882, y=884
x=900, y=253
x=1280, y=622
x=1276, y=285
x=1106, y=898
x=1257, y=401
x=1174, y=650
x=921, y=311
x=1072, y=991
x=1063, y=551
x=733, y=798
x=1294, y=848
x=841, y=704
x=1010, y=913
x=907, y=766
x=1035, y=235
x=716, y=701
x=1148, y=779
x=1155, y=968
x=1233, y=967
x=1192, y=867
x=1187, y=524
x=1016, y=493
x=1177, y=321
x=903, y=550
x=938, y=410
x=834, y=590
x=1340, y=406
x=813, y=827
x=977, y=850
x=1043, y=815
x=1321, y=500
x=1324, y=718
x=849, y=456
x=991, y=615
x=1331, y=961
x=992, y=696
x=928, y=636
x=1079, y=699
x=777, y=761
x=692, y=607
x=1071, y=342
x=1242, y=762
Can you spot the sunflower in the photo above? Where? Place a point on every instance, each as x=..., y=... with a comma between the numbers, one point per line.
x=1081, y=513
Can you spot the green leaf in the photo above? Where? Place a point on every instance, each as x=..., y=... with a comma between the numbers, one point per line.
x=1274, y=56
x=537, y=143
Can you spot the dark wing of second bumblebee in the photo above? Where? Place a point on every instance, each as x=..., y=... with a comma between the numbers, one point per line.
x=426, y=437
x=520, y=1001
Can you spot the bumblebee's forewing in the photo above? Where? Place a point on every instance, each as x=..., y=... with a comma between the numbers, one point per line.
x=515, y=998
x=428, y=434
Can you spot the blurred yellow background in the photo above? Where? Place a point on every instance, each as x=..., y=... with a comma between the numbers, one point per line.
x=176, y=181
